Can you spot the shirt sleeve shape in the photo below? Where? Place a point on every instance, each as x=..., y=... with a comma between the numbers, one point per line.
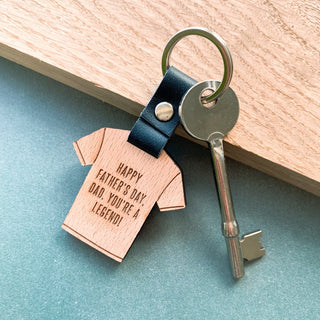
x=172, y=198
x=88, y=147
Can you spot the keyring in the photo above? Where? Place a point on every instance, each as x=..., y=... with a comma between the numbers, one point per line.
x=217, y=41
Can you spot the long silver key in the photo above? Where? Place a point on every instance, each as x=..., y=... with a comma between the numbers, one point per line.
x=212, y=124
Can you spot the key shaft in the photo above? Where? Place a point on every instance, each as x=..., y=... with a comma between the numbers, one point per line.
x=230, y=228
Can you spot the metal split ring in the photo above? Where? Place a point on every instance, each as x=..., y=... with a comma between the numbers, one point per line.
x=217, y=41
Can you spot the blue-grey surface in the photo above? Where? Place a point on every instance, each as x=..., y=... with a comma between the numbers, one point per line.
x=177, y=267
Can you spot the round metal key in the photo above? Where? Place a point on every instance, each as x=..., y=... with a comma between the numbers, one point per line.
x=211, y=124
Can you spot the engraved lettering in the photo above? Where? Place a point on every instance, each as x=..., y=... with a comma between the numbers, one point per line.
x=119, y=221
x=142, y=197
x=127, y=208
x=137, y=196
x=112, y=215
x=103, y=177
x=111, y=195
x=99, y=173
x=116, y=202
x=134, y=174
x=120, y=167
x=124, y=171
x=93, y=209
x=115, y=183
x=116, y=219
x=111, y=181
x=103, y=211
x=123, y=198
x=108, y=214
x=96, y=190
x=99, y=208
x=126, y=191
x=93, y=185
x=139, y=177
x=136, y=214
x=121, y=183
x=105, y=216
x=129, y=173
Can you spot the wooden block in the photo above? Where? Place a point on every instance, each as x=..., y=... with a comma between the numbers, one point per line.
x=112, y=50
x=119, y=191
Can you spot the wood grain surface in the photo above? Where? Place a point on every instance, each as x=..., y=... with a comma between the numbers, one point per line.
x=112, y=50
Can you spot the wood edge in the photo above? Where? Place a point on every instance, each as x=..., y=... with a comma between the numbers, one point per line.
x=135, y=108
x=273, y=169
x=264, y=165
x=90, y=243
x=71, y=80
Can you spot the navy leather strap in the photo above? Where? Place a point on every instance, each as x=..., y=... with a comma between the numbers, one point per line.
x=151, y=134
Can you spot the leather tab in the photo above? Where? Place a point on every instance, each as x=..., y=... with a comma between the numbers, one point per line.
x=150, y=134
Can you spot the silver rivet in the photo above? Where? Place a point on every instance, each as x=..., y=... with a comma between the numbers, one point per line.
x=164, y=111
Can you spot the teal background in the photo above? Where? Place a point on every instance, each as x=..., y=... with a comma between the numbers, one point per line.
x=177, y=267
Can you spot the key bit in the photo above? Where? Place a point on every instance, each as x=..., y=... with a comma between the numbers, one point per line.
x=251, y=247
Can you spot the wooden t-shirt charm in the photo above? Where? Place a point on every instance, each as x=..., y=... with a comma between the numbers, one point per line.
x=119, y=191
x=130, y=173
